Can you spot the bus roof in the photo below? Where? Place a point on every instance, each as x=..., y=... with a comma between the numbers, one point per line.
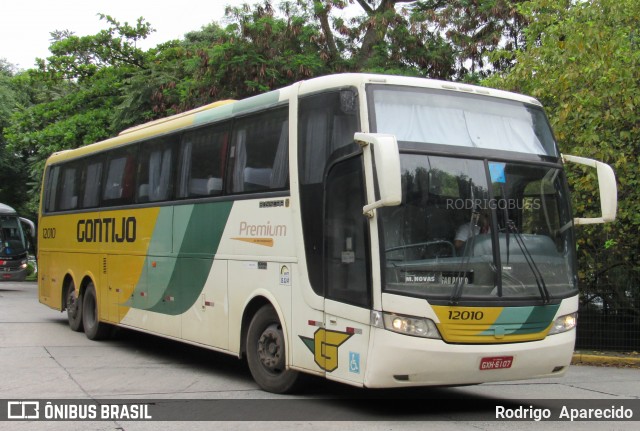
x=230, y=108
x=361, y=79
x=7, y=210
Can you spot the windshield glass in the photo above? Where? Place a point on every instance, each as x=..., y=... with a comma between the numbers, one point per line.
x=12, y=239
x=459, y=119
x=476, y=229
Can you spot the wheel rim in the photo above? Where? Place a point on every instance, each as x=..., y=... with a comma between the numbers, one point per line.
x=271, y=349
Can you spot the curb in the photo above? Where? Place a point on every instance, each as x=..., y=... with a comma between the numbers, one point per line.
x=605, y=360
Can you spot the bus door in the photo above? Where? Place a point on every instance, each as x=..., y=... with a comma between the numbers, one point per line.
x=350, y=247
x=347, y=266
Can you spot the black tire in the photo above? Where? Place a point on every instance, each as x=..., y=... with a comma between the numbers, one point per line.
x=73, y=305
x=93, y=328
x=267, y=355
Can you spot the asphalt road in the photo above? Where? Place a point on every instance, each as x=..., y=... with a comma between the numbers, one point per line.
x=42, y=359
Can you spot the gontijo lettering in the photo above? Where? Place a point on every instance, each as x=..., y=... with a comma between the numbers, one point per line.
x=107, y=230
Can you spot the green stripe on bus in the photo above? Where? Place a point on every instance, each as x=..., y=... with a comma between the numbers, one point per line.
x=260, y=101
x=523, y=320
x=175, y=283
x=246, y=105
x=215, y=114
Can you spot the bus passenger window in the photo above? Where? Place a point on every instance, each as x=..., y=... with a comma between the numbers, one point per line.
x=68, y=193
x=92, y=181
x=203, y=155
x=119, y=185
x=155, y=171
x=259, y=156
x=51, y=188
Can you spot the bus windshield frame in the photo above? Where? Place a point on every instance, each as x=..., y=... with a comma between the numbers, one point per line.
x=487, y=223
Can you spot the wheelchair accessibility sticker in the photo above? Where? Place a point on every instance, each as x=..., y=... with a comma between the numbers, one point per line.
x=354, y=362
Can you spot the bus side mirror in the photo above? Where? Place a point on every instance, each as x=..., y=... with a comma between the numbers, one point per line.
x=608, y=189
x=386, y=158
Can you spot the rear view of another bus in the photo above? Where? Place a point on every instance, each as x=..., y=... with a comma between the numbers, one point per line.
x=13, y=245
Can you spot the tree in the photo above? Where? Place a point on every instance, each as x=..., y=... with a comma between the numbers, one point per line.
x=260, y=49
x=76, y=95
x=582, y=61
x=80, y=57
x=478, y=28
x=432, y=38
x=13, y=175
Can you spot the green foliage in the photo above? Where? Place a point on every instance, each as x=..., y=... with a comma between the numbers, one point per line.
x=13, y=177
x=476, y=30
x=259, y=49
x=79, y=57
x=71, y=100
x=582, y=61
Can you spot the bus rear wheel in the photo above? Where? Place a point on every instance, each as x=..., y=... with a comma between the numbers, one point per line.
x=73, y=304
x=93, y=328
x=266, y=353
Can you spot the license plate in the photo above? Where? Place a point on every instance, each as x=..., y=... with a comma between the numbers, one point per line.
x=496, y=362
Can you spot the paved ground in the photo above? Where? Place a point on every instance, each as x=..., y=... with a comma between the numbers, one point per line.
x=40, y=358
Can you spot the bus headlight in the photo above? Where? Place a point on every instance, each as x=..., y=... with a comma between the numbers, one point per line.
x=415, y=326
x=564, y=323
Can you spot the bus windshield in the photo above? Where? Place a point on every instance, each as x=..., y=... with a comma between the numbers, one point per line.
x=475, y=229
x=459, y=119
x=12, y=239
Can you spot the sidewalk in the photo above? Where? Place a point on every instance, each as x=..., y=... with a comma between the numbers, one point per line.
x=606, y=359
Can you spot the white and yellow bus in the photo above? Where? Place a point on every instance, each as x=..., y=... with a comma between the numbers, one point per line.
x=380, y=231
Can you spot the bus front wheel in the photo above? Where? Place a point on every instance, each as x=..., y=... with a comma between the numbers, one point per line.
x=73, y=304
x=93, y=328
x=266, y=353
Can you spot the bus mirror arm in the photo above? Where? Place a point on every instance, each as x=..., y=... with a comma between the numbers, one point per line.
x=32, y=226
x=607, y=186
x=386, y=158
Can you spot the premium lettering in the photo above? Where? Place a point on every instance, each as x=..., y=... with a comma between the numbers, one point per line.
x=262, y=229
x=113, y=229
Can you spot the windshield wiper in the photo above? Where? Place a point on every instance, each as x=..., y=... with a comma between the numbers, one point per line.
x=542, y=287
x=466, y=257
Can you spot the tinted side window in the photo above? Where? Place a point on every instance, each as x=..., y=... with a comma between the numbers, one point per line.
x=51, y=188
x=346, y=239
x=326, y=125
x=203, y=157
x=92, y=179
x=120, y=173
x=156, y=167
x=68, y=187
x=259, y=155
